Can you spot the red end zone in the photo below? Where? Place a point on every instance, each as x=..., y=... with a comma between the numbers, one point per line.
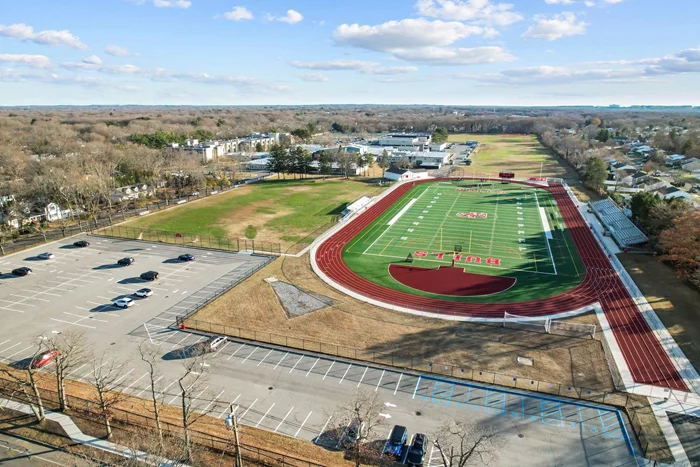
x=447, y=280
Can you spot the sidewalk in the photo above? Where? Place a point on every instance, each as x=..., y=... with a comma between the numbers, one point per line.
x=78, y=436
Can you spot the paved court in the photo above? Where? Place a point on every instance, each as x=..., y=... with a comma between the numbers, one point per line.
x=284, y=391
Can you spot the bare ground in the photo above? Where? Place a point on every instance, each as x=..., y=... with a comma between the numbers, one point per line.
x=253, y=305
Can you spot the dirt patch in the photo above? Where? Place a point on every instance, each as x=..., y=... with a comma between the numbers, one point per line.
x=676, y=303
x=255, y=214
x=383, y=333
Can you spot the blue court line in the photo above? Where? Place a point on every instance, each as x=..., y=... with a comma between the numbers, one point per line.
x=490, y=406
x=551, y=413
x=577, y=403
x=615, y=432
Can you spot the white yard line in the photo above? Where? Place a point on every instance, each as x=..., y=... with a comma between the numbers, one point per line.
x=546, y=229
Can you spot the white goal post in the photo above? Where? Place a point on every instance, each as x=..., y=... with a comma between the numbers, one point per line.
x=548, y=325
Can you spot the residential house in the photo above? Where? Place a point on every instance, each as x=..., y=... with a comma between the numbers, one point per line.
x=670, y=192
x=691, y=165
x=674, y=159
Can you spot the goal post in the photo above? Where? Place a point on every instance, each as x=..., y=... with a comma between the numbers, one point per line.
x=565, y=328
x=513, y=321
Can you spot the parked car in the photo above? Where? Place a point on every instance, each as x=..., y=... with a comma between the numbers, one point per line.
x=81, y=244
x=352, y=433
x=194, y=193
x=123, y=302
x=149, y=275
x=46, y=255
x=143, y=293
x=416, y=452
x=43, y=359
x=186, y=257
x=23, y=271
x=211, y=344
x=397, y=442
x=126, y=261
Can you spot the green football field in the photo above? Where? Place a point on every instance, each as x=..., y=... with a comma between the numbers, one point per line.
x=495, y=229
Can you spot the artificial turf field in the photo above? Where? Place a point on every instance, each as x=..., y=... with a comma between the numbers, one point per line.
x=497, y=229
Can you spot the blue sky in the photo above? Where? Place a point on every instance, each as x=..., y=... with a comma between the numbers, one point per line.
x=460, y=52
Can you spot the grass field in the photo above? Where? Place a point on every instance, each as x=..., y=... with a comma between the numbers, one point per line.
x=285, y=211
x=501, y=224
x=522, y=154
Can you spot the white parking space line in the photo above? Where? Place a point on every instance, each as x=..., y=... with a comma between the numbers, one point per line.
x=13, y=303
x=380, y=381
x=140, y=378
x=264, y=358
x=328, y=370
x=205, y=409
x=295, y=365
x=166, y=388
x=234, y=353
x=33, y=298
x=118, y=380
x=11, y=347
x=232, y=402
x=76, y=324
x=397, y=383
x=5, y=342
x=283, y=356
x=178, y=395
x=148, y=386
x=75, y=371
x=263, y=417
x=302, y=425
x=363, y=376
x=346, y=372
x=178, y=342
x=222, y=348
x=312, y=367
x=246, y=359
x=249, y=407
x=20, y=351
x=324, y=428
x=282, y=421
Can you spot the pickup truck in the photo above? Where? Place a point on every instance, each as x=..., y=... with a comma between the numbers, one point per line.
x=397, y=442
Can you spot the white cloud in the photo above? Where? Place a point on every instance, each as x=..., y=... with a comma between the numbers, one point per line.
x=551, y=75
x=476, y=11
x=92, y=60
x=313, y=77
x=239, y=13
x=117, y=51
x=165, y=3
x=589, y=3
x=613, y=1
x=422, y=41
x=34, y=61
x=366, y=67
x=559, y=2
x=404, y=34
x=25, y=33
x=292, y=17
x=556, y=27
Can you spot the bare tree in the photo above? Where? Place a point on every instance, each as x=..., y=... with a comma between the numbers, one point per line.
x=190, y=383
x=149, y=354
x=30, y=382
x=71, y=349
x=459, y=442
x=360, y=414
x=104, y=377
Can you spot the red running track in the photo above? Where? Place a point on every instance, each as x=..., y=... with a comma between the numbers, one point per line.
x=644, y=355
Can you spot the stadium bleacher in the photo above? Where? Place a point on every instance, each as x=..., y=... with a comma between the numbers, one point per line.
x=620, y=226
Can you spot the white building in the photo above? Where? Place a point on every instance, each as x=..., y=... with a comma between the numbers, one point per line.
x=421, y=158
x=405, y=174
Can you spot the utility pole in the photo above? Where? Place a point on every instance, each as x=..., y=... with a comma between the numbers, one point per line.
x=232, y=424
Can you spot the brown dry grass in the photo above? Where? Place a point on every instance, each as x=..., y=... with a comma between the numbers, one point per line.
x=253, y=305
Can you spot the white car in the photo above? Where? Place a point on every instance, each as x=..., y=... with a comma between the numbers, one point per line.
x=143, y=293
x=46, y=255
x=123, y=303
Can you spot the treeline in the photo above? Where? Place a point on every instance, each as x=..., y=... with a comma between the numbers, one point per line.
x=161, y=139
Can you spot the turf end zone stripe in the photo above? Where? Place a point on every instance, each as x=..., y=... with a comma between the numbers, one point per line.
x=402, y=212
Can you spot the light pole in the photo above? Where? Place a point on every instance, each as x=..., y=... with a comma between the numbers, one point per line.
x=232, y=424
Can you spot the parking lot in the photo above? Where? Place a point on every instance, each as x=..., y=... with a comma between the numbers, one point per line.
x=285, y=391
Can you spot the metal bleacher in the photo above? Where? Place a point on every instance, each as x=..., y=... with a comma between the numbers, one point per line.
x=621, y=228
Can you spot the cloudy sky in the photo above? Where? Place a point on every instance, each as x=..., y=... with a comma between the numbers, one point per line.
x=462, y=52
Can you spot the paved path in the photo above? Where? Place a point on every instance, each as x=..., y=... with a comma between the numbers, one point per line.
x=18, y=452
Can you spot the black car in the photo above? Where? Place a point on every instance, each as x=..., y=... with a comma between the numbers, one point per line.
x=126, y=261
x=186, y=257
x=416, y=452
x=81, y=244
x=23, y=271
x=149, y=275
